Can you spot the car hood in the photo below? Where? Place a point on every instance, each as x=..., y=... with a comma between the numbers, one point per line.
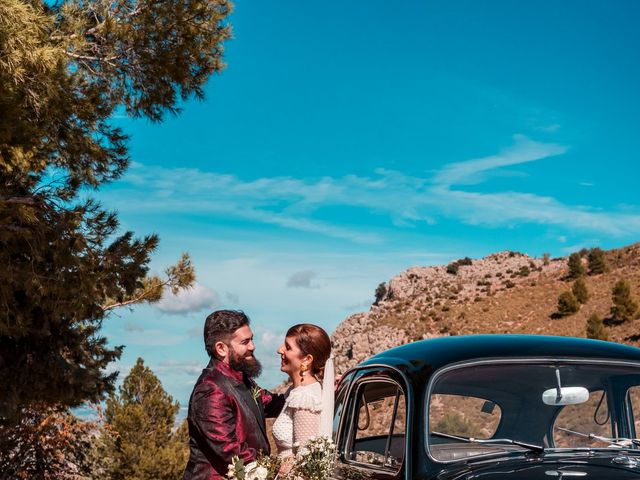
x=588, y=466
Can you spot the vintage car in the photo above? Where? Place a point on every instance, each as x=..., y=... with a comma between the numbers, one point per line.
x=491, y=407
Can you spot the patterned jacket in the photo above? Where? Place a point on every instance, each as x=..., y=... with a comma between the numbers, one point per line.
x=226, y=418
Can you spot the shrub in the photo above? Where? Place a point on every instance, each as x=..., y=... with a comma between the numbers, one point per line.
x=452, y=268
x=576, y=269
x=567, y=304
x=597, y=261
x=596, y=328
x=624, y=307
x=509, y=284
x=545, y=258
x=381, y=292
x=580, y=291
x=524, y=271
x=455, y=424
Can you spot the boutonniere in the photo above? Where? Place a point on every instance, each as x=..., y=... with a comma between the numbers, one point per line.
x=255, y=393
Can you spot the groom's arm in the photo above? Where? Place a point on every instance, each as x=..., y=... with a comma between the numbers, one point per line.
x=273, y=403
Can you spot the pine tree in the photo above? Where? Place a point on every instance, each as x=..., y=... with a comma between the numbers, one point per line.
x=596, y=328
x=580, y=290
x=65, y=68
x=597, y=261
x=567, y=304
x=145, y=445
x=576, y=269
x=624, y=307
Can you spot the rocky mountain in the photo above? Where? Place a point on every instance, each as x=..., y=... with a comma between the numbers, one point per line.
x=506, y=292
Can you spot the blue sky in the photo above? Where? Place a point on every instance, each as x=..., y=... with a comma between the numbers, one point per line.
x=348, y=141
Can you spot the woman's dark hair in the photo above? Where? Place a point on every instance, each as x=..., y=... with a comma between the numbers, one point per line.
x=312, y=340
x=220, y=326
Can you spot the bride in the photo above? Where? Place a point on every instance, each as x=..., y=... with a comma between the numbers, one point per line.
x=308, y=410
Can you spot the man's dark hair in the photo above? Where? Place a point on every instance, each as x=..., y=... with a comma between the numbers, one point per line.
x=220, y=326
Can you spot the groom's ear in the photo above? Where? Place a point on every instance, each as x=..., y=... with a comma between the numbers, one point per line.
x=222, y=350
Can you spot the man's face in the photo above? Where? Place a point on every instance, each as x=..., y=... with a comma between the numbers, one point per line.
x=241, y=349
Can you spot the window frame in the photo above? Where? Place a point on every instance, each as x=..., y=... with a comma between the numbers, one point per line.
x=348, y=423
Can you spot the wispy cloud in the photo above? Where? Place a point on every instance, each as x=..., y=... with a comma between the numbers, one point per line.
x=131, y=326
x=192, y=299
x=473, y=171
x=232, y=298
x=152, y=338
x=302, y=279
x=406, y=200
x=192, y=368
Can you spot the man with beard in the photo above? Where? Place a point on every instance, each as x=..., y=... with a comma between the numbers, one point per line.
x=227, y=408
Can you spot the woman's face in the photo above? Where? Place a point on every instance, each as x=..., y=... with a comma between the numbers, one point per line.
x=291, y=358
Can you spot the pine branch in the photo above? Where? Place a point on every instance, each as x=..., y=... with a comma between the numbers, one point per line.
x=137, y=299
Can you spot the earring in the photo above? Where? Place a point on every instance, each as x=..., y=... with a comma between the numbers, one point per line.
x=303, y=371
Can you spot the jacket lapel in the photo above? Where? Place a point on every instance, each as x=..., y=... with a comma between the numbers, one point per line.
x=246, y=399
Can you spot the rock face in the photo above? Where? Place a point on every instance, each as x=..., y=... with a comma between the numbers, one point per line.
x=358, y=337
x=415, y=300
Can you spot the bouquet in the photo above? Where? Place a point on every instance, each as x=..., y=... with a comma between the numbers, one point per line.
x=262, y=468
x=315, y=460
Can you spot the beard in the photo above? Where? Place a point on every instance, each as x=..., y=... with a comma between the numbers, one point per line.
x=250, y=366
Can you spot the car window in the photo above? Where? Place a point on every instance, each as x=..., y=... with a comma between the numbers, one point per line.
x=591, y=416
x=378, y=432
x=495, y=407
x=464, y=416
x=634, y=402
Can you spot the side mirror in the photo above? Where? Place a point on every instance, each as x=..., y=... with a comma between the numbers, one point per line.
x=565, y=396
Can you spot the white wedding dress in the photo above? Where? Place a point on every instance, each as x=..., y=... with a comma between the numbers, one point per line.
x=299, y=420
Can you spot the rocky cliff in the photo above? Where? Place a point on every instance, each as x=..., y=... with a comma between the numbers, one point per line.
x=506, y=292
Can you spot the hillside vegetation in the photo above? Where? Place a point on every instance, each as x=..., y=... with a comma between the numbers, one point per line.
x=506, y=292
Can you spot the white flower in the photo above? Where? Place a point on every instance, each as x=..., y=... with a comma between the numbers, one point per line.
x=259, y=473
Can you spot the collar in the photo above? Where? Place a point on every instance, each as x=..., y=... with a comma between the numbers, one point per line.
x=226, y=370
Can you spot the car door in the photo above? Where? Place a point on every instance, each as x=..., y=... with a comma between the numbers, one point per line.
x=372, y=428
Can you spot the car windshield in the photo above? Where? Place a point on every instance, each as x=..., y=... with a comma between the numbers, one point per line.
x=493, y=407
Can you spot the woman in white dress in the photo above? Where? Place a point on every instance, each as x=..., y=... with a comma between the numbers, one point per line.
x=308, y=410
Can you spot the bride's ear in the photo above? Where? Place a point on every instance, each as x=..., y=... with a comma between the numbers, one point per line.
x=309, y=360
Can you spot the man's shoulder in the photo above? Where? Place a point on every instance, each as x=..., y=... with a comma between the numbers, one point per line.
x=212, y=379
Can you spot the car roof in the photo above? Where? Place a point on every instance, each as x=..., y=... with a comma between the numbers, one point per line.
x=426, y=356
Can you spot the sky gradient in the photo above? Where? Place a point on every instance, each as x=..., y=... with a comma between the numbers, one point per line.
x=348, y=141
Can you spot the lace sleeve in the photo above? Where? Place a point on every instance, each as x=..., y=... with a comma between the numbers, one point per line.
x=305, y=426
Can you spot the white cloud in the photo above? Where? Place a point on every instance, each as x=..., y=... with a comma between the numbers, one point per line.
x=406, y=200
x=472, y=171
x=192, y=299
x=302, y=279
x=191, y=368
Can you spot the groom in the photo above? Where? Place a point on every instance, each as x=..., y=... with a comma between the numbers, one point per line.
x=227, y=408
